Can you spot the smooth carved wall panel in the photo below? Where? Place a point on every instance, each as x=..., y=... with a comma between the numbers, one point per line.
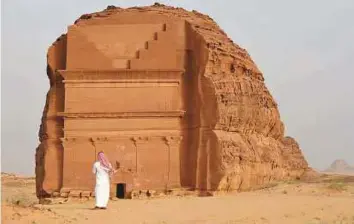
x=153, y=163
x=79, y=156
x=122, y=99
x=120, y=124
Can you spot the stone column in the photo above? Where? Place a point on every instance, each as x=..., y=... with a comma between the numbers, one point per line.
x=174, y=164
x=139, y=143
x=67, y=160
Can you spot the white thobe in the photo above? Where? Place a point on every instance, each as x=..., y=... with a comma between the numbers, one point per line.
x=102, y=184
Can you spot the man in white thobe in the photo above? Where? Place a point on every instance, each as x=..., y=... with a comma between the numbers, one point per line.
x=102, y=168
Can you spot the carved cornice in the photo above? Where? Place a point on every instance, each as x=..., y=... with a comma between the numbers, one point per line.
x=93, y=140
x=138, y=141
x=121, y=74
x=136, y=114
x=126, y=83
x=122, y=81
x=141, y=138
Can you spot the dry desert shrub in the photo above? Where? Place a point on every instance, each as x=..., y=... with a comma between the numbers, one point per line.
x=23, y=200
x=337, y=186
x=268, y=185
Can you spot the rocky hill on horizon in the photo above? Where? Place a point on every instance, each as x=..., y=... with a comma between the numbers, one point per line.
x=340, y=166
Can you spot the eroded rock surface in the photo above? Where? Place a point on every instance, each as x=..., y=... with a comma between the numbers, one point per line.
x=233, y=138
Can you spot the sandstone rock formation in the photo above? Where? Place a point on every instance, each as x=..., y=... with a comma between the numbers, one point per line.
x=340, y=166
x=166, y=94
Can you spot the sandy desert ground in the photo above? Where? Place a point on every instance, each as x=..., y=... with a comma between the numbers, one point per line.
x=326, y=199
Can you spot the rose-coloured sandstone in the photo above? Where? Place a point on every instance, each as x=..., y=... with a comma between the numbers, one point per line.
x=168, y=97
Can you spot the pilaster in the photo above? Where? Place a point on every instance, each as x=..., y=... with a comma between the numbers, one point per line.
x=174, y=164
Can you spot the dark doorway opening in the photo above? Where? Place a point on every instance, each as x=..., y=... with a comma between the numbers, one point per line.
x=120, y=190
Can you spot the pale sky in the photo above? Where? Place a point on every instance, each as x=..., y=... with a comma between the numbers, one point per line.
x=304, y=48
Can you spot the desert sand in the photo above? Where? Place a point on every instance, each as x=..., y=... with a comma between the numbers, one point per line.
x=326, y=199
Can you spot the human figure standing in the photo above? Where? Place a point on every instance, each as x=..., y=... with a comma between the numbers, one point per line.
x=102, y=169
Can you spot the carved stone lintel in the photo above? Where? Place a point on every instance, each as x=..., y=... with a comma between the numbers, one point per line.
x=115, y=74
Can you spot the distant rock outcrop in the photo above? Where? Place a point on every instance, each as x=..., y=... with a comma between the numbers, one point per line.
x=340, y=166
